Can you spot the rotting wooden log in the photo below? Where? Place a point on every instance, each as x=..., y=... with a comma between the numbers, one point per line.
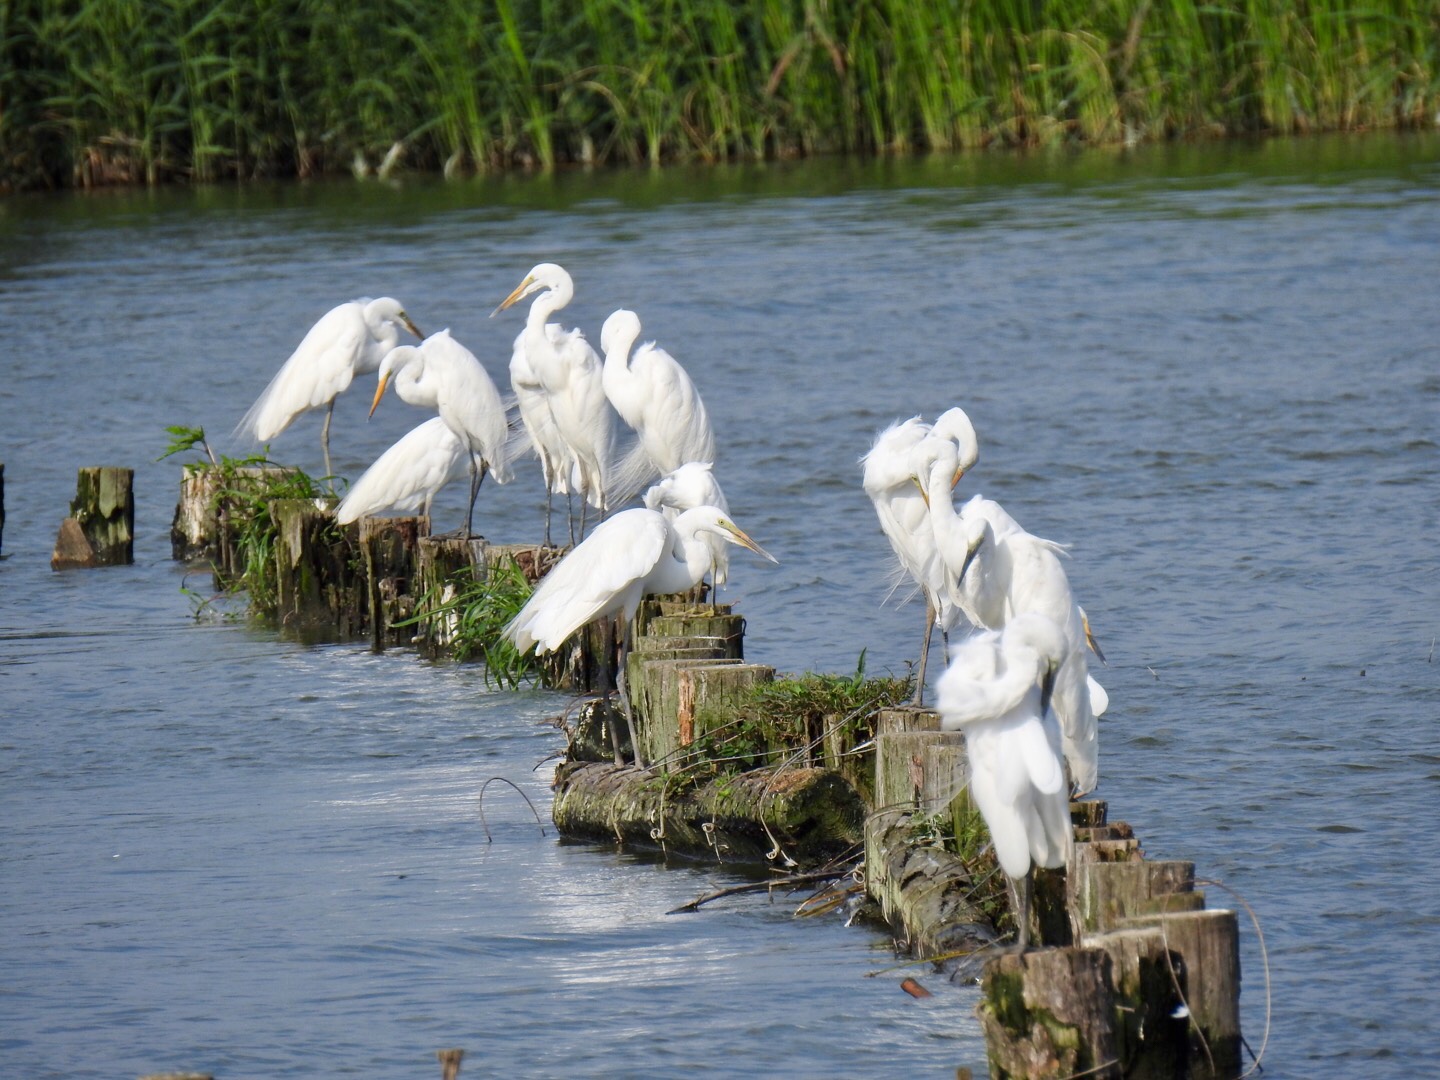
x=1208, y=945
x=319, y=577
x=390, y=548
x=925, y=893
x=104, y=511
x=1050, y=1013
x=1151, y=1030
x=811, y=814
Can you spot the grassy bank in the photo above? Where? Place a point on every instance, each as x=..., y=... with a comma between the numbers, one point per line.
x=114, y=91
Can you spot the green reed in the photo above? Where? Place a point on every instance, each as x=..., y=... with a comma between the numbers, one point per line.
x=102, y=91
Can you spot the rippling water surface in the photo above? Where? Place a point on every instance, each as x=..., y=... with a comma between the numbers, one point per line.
x=1213, y=371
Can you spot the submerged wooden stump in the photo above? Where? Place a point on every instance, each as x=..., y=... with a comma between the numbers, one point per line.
x=812, y=814
x=100, y=530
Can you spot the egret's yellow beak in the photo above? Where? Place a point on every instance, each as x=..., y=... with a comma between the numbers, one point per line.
x=379, y=392
x=1090, y=639
x=923, y=493
x=744, y=541
x=516, y=295
x=956, y=478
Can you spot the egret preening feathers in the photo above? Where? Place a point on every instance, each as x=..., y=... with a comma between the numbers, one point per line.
x=997, y=691
x=997, y=572
x=889, y=478
x=693, y=484
x=348, y=340
x=442, y=374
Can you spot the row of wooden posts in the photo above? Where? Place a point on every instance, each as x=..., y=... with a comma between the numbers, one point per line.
x=1133, y=977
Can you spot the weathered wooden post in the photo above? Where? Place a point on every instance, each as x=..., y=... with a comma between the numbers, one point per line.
x=317, y=569
x=100, y=530
x=390, y=549
x=1049, y=1014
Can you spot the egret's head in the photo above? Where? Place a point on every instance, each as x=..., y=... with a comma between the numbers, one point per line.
x=387, y=307
x=544, y=277
x=395, y=359
x=714, y=520
x=619, y=332
x=954, y=426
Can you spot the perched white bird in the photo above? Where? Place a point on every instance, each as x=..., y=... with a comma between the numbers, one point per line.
x=350, y=339
x=693, y=484
x=889, y=479
x=442, y=374
x=408, y=475
x=997, y=691
x=570, y=373
x=634, y=554
x=539, y=422
x=655, y=396
x=996, y=572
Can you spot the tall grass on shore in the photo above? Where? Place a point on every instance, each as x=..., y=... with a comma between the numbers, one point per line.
x=104, y=91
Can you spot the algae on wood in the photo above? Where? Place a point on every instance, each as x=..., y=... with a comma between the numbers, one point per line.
x=103, y=516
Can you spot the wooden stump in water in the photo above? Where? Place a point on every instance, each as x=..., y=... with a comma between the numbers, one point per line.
x=212, y=514
x=1050, y=1014
x=444, y=565
x=390, y=547
x=100, y=530
x=1151, y=1029
x=678, y=703
x=318, y=568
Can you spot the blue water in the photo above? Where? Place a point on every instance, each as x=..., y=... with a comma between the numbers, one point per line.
x=1211, y=370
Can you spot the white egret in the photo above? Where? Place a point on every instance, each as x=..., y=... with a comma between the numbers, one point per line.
x=996, y=572
x=997, y=691
x=570, y=373
x=408, y=475
x=889, y=479
x=534, y=405
x=693, y=484
x=634, y=554
x=442, y=374
x=348, y=340
x=655, y=396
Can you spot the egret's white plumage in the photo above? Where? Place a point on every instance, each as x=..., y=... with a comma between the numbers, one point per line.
x=569, y=372
x=632, y=555
x=996, y=572
x=408, y=475
x=655, y=396
x=693, y=484
x=348, y=340
x=442, y=374
x=995, y=690
x=889, y=480
x=539, y=423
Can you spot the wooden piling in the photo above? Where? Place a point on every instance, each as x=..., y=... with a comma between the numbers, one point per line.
x=318, y=569
x=1050, y=1014
x=100, y=530
x=390, y=547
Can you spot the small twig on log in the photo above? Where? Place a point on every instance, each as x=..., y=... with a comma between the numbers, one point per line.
x=481, y=807
x=757, y=886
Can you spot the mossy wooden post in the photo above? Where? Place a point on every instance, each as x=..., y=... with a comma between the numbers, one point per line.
x=318, y=570
x=210, y=513
x=390, y=548
x=1050, y=1013
x=1151, y=1029
x=100, y=530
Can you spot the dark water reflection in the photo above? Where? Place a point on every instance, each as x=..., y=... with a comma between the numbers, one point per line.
x=1212, y=370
